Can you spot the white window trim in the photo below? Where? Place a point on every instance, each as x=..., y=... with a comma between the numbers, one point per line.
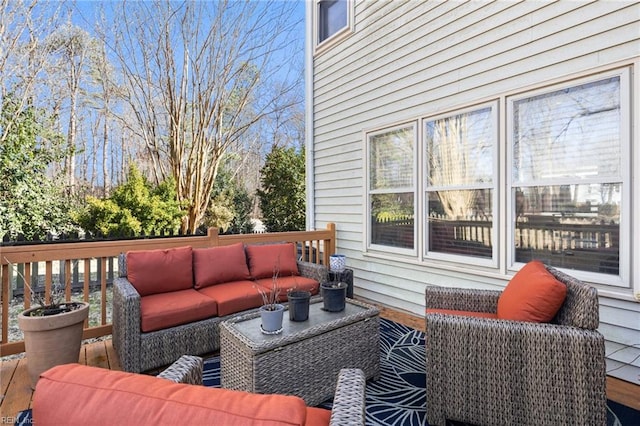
x=319, y=47
x=368, y=246
x=623, y=279
x=458, y=258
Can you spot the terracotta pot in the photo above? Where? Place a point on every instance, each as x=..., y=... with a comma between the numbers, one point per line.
x=52, y=340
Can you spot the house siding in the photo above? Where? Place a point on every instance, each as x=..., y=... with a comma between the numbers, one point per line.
x=410, y=59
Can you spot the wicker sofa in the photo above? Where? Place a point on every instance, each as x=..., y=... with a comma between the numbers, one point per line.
x=485, y=370
x=167, y=303
x=76, y=394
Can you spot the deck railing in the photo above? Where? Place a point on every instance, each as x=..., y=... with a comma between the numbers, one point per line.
x=92, y=264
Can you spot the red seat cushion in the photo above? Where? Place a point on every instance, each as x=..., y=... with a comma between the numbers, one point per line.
x=265, y=259
x=160, y=271
x=463, y=313
x=164, y=310
x=533, y=295
x=233, y=297
x=74, y=394
x=290, y=282
x=317, y=416
x=220, y=265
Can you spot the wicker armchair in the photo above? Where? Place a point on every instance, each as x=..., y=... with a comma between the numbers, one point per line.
x=348, y=401
x=498, y=372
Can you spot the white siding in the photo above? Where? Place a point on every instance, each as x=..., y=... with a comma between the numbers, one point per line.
x=408, y=59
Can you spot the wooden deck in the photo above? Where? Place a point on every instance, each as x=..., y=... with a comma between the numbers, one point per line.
x=17, y=393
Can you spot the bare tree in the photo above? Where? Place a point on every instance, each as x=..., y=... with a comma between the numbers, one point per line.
x=71, y=46
x=104, y=98
x=197, y=76
x=22, y=57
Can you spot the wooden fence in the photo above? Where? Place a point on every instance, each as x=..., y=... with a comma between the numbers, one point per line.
x=92, y=264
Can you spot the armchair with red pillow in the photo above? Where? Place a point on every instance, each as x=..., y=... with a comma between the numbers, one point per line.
x=529, y=355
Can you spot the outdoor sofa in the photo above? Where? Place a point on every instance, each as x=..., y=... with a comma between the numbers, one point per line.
x=75, y=394
x=168, y=303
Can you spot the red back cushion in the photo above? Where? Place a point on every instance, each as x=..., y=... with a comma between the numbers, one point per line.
x=533, y=295
x=160, y=271
x=99, y=396
x=264, y=259
x=217, y=265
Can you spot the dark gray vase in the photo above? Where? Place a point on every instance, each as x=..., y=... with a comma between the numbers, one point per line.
x=333, y=296
x=299, y=305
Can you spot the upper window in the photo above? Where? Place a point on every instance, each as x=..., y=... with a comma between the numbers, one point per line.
x=568, y=178
x=459, y=189
x=332, y=18
x=391, y=186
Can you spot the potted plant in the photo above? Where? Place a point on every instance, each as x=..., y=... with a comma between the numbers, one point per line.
x=271, y=311
x=298, y=303
x=334, y=294
x=52, y=331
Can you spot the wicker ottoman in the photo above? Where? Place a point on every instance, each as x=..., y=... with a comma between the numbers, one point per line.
x=305, y=359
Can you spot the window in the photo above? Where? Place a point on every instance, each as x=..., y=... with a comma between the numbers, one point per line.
x=391, y=186
x=569, y=184
x=565, y=196
x=459, y=187
x=332, y=18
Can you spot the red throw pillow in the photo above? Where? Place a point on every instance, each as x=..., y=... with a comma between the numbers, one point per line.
x=160, y=271
x=222, y=264
x=264, y=259
x=533, y=295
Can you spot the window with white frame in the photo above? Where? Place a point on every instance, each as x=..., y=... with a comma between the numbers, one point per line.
x=460, y=168
x=565, y=200
x=332, y=17
x=569, y=187
x=391, y=188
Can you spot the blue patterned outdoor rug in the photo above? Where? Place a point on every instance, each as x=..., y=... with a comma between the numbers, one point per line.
x=398, y=397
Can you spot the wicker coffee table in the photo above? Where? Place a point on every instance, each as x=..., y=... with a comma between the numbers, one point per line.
x=304, y=359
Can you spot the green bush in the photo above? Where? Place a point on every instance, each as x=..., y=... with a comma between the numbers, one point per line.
x=134, y=208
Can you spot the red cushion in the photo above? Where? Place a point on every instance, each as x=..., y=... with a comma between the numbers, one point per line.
x=220, y=265
x=265, y=259
x=317, y=416
x=533, y=295
x=233, y=297
x=290, y=282
x=164, y=310
x=463, y=313
x=160, y=271
x=74, y=394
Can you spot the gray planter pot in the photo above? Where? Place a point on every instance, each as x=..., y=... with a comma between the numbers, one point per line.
x=272, y=319
x=53, y=339
x=299, y=305
x=333, y=296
